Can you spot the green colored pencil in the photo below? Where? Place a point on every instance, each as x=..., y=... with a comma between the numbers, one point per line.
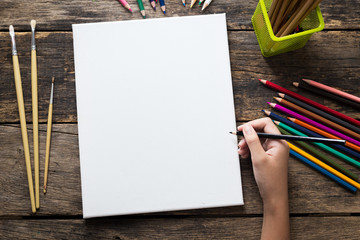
x=323, y=146
x=141, y=7
x=321, y=156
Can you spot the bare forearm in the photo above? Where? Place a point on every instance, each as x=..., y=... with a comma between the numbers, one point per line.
x=276, y=220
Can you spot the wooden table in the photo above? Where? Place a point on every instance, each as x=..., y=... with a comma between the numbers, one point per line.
x=319, y=208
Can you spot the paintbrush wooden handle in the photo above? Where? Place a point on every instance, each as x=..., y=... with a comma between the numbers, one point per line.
x=48, y=139
x=34, y=92
x=20, y=100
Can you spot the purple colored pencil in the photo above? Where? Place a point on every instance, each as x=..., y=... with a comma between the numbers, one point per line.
x=312, y=122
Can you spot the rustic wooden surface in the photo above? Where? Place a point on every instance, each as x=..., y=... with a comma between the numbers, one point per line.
x=319, y=208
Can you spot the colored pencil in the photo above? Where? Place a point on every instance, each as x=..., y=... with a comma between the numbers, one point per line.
x=323, y=146
x=323, y=171
x=142, y=9
x=329, y=149
x=297, y=18
x=332, y=90
x=309, y=101
x=192, y=3
x=272, y=8
x=317, y=117
x=183, y=2
x=276, y=11
x=34, y=97
x=20, y=100
x=153, y=4
x=323, y=133
x=326, y=94
x=48, y=135
x=323, y=165
x=206, y=4
x=162, y=6
x=278, y=18
x=126, y=5
x=310, y=121
x=293, y=138
x=319, y=154
x=320, y=112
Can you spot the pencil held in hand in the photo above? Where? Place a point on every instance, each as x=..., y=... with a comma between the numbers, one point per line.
x=48, y=135
x=294, y=138
x=20, y=100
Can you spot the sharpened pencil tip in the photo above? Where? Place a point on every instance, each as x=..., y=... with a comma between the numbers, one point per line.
x=296, y=84
x=130, y=10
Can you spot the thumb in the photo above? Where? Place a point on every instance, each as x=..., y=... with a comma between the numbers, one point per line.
x=253, y=142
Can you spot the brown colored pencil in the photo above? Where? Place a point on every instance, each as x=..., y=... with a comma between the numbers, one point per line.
x=276, y=11
x=280, y=15
x=300, y=16
x=317, y=117
x=272, y=8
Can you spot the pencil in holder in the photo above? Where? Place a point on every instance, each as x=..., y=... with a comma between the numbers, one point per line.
x=271, y=45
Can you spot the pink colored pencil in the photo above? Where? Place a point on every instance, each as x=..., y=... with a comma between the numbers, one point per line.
x=310, y=102
x=332, y=90
x=125, y=4
x=312, y=122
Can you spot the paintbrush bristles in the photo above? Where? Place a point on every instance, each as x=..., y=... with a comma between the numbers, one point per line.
x=11, y=30
x=33, y=24
x=53, y=79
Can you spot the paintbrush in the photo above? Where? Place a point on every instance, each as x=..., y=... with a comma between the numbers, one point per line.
x=48, y=135
x=34, y=92
x=20, y=100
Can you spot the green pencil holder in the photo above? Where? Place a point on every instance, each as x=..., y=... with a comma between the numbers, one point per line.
x=271, y=45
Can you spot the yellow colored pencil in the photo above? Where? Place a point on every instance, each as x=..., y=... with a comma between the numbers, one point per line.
x=325, y=166
x=48, y=135
x=34, y=93
x=20, y=100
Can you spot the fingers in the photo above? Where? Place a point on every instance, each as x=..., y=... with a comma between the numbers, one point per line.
x=243, y=149
x=262, y=125
x=253, y=142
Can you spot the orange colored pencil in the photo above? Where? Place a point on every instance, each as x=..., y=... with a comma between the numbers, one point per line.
x=323, y=133
x=317, y=117
x=323, y=165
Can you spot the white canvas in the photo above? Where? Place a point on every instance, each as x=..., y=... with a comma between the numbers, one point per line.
x=155, y=107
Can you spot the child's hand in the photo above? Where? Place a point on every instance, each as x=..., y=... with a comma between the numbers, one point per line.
x=270, y=164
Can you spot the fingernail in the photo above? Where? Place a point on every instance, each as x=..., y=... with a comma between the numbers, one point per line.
x=241, y=142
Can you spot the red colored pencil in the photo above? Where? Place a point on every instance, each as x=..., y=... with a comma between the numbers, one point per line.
x=332, y=90
x=309, y=101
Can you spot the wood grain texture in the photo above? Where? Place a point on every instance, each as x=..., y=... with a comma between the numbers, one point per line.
x=309, y=191
x=176, y=228
x=59, y=15
x=329, y=57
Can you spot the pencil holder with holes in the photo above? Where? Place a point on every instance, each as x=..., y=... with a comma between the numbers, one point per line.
x=271, y=45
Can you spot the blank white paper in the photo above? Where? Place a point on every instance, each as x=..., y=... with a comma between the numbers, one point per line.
x=155, y=107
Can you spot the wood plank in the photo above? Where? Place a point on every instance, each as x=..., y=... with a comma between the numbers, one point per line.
x=176, y=228
x=329, y=57
x=309, y=191
x=59, y=15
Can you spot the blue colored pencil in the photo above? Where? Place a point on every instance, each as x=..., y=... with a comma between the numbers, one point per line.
x=323, y=171
x=162, y=6
x=311, y=133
